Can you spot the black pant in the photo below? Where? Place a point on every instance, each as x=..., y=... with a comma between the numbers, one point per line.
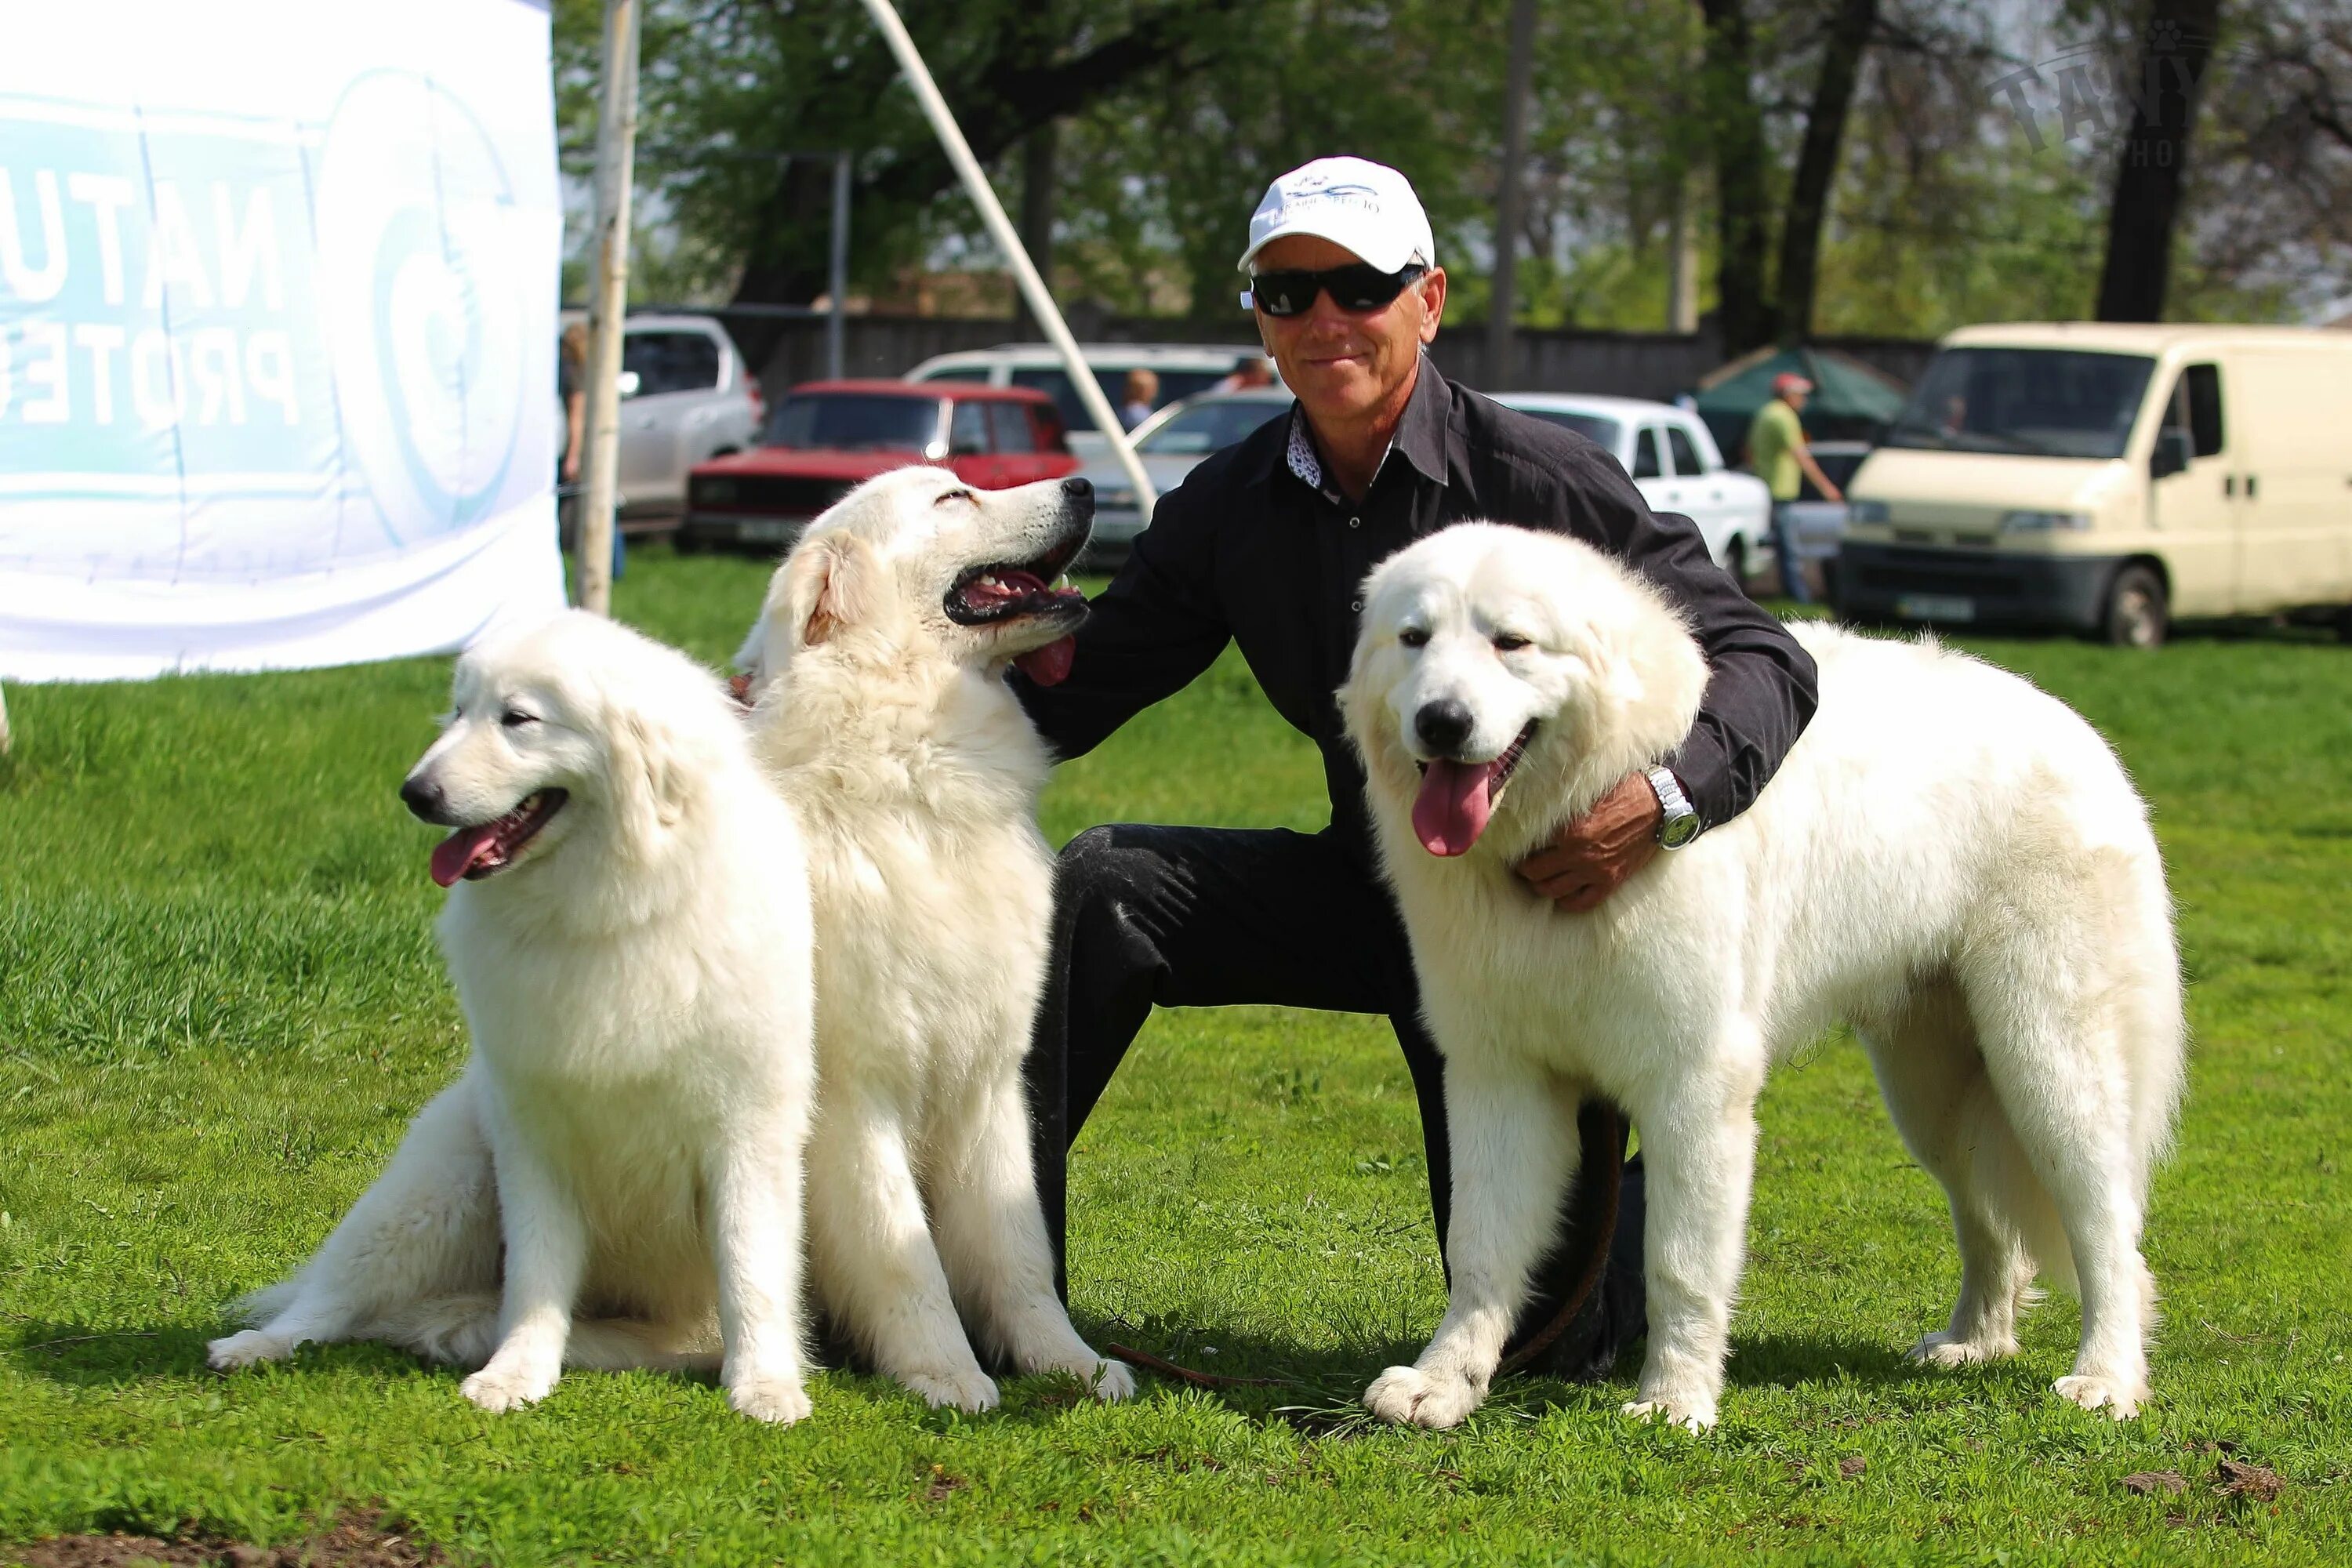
x=1199, y=916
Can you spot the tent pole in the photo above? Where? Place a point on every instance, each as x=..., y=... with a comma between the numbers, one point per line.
x=608, y=302
x=1000, y=228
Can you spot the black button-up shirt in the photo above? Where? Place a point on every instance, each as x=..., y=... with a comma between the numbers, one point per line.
x=1250, y=548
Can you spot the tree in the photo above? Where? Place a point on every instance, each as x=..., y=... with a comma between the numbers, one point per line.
x=1848, y=34
x=2175, y=49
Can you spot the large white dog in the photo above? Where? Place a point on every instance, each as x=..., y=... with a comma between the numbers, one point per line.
x=877, y=666
x=1948, y=859
x=629, y=933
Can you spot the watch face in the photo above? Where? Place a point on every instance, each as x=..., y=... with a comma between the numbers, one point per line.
x=1679, y=832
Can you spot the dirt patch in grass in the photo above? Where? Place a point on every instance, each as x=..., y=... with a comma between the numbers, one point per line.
x=354, y=1541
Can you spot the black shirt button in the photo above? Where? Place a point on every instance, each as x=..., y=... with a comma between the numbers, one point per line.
x=1356, y=607
x=1355, y=522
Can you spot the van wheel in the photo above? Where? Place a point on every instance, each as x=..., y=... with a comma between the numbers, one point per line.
x=686, y=543
x=2137, y=615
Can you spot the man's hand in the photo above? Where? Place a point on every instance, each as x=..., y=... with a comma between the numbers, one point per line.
x=1594, y=854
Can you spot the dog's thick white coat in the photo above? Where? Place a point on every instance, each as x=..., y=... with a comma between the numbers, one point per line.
x=628, y=1133
x=1948, y=859
x=915, y=776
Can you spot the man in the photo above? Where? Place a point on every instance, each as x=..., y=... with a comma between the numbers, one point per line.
x=1265, y=543
x=1140, y=395
x=1778, y=452
x=1249, y=377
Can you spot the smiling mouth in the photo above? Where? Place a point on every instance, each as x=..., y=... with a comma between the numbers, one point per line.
x=1457, y=799
x=488, y=847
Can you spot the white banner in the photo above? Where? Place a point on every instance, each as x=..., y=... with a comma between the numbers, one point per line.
x=278, y=289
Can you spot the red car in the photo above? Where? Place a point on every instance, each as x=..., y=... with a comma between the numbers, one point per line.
x=826, y=436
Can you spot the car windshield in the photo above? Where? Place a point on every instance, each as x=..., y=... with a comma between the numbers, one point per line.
x=1601, y=433
x=1210, y=426
x=2040, y=402
x=854, y=422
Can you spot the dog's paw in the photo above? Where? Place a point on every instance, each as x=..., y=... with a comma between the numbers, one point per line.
x=1411, y=1397
x=970, y=1391
x=246, y=1348
x=501, y=1388
x=1691, y=1412
x=1952, y=1349
x=2118, y=1398
x=779, y=1399
x=1113, y=1381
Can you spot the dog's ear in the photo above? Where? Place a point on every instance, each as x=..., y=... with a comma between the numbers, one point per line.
x=652, y=773
x=831, y=582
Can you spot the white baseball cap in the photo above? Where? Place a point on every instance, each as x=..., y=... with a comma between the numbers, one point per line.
x=1367, y=207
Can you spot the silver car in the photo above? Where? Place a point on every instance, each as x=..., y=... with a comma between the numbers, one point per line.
x=1170, y=443
x=687, y=397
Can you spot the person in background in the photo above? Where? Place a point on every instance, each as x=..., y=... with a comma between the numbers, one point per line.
x=1777, y=451
x=1249, y=376
x=1141, y=396
x=571, y=388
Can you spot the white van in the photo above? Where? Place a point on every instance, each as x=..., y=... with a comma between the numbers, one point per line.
x=2111, y=478
x=1183, y=369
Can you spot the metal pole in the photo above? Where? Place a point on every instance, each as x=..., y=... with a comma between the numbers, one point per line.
x=1000, y=228
x=837, y=271
x=608, y=301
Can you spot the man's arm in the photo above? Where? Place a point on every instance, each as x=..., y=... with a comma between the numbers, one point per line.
x=1822, y=481
x=1156, y=627
x=1760, y=690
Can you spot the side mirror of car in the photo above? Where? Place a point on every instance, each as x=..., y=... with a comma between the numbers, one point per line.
x=2171, y=455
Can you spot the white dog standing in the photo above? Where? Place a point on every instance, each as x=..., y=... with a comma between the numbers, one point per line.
x=882, y=710
x=628, y=929
x=1948, y=859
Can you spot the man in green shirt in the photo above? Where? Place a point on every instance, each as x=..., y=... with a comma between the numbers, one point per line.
x=1777, y=451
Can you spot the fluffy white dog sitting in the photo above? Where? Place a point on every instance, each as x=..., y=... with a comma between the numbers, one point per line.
x=1948, y=859
x=628, y=929
x=877, y=666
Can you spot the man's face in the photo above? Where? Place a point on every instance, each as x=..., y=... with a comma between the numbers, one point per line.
x=1343, y=366
x=1795, y=397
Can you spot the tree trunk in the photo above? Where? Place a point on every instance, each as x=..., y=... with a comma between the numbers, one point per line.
x=1736, y=134
x=1510, y=204
x=2175, y=49
x=1038, y=173
x=1817, y=165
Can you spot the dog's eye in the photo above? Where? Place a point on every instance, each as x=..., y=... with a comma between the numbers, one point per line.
x=953, y=495
x=515, y=718
x=1413, y=636
x=1509, y=642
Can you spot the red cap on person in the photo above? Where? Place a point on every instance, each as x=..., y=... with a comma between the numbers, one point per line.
x=1789, y=381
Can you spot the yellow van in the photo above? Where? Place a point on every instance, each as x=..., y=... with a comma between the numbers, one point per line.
x=2110, y=479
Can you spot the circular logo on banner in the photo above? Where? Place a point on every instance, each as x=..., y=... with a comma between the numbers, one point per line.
x=423, y=296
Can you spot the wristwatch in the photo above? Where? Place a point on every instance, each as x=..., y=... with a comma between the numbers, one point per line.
x=1681, y=823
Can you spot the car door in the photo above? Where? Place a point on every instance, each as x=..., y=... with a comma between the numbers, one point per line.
x=1701, y=492
x=1651, y=476
x=971, y=452
x=2194, y=498
x=677, y=372
x=1014, y=438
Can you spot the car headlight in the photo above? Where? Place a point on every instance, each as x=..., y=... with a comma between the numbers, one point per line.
x=1867, y=512
x=714, y=492
x=2045, y=522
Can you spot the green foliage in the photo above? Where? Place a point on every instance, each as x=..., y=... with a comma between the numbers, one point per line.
x=219, y=1006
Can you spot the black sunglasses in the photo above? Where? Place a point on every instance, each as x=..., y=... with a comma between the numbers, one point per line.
x=1357, y=288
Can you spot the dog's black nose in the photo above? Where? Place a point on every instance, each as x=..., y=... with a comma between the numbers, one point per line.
x=1443, y=725
x=1078, y=489
x=421, y=796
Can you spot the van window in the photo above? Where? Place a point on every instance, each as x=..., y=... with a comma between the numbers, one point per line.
x=1686, y=460
x=1054, y=383
x=2196, y=407
x=670, y=361
x=973, y=373
x=1645, y=454
x=2040, y=402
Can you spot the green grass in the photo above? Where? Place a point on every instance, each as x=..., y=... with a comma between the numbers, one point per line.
x=219, y=1004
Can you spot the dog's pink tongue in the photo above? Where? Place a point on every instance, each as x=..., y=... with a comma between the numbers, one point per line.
x=1452, y=808
x=1050, y=665
x=455, y=855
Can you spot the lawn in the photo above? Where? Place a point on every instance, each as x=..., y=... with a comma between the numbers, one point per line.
x=219, y=1004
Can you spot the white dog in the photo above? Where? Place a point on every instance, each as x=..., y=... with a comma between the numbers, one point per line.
x=1948, y=859
x=629, y=933
x=878, y=667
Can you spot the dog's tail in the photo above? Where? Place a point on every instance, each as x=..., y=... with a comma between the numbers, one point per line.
x=463, y=1330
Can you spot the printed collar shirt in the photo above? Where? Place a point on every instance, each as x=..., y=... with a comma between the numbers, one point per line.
x=1256, y=547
